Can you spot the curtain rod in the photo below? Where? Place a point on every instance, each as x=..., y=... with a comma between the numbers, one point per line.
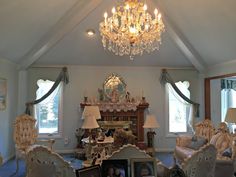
x=59, y=67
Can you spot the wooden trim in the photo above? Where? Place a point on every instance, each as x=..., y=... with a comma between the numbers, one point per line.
x=221, y=76
x=207, y=94
x=207, y=98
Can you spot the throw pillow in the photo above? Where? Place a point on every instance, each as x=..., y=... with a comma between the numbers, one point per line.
x=196, y=144
x=227, y=152
x=176, y=171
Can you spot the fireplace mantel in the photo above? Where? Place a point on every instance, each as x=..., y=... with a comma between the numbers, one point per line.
x=133, y=112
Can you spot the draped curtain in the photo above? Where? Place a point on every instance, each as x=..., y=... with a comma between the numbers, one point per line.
x=62, y=77
x=194, y=107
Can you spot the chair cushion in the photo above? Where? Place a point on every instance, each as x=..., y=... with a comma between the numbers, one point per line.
x=183, y=152
x=197, y=142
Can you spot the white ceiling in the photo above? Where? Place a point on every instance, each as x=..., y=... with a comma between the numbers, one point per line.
x=198, y=33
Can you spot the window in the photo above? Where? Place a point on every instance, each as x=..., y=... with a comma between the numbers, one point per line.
x=228, y=100
x=48, y=112
x=179, y=109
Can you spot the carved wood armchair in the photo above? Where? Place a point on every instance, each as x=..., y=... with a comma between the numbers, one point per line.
x=25, y=135
x=205, y=129
x=41, y=161
x=201, y=163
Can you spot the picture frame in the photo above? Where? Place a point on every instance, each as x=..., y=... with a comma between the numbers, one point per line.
x=93, y=171
x=3, y=94
x=115, y=167
x=141, y=167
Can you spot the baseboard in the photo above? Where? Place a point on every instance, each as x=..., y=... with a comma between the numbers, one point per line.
x=8, y=158
x=67, y=151
x=164, y=150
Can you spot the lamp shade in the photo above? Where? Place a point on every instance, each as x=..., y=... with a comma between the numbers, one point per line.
x=91, y=111
x=151, y=122
x=231, y=115
x=90, y=123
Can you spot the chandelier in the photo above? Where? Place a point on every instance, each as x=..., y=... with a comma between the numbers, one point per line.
x=131, y=30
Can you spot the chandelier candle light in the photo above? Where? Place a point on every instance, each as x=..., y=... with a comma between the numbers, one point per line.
x=131, y=30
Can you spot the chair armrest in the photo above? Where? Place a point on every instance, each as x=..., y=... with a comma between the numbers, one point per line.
x=50, y=142
x=162, y=170
x=183, y=140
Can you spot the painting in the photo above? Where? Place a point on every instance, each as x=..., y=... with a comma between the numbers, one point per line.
x=3, y=93
x=93, y=171
x=115, y=168
x=141, y=167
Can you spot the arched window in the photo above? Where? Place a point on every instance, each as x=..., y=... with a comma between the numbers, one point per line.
x=48, y=112
x=178, y=109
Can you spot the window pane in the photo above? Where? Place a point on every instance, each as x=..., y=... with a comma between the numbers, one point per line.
x=47, y=112
x=178, y=109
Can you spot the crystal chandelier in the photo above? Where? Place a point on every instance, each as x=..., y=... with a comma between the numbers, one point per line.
x=131, y=30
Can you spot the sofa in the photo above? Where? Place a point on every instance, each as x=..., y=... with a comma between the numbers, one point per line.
x=186, y=145
x=223, y=141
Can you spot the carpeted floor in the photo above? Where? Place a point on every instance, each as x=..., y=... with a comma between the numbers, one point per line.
x=8, y=169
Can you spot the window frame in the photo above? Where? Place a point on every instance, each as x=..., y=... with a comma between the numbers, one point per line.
x=167, y=116
x=60, y=116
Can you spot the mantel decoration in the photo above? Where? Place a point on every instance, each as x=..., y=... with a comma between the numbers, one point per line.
x=113, y=96
x=114, y=88
x=131, y=30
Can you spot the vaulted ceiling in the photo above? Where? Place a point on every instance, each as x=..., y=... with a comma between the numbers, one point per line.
x=198, y=33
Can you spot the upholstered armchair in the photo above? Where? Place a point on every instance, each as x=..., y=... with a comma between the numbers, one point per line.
x=186, y=145
x=226, y=151
x=201, y=163
x=41, y=161
x=25, y=135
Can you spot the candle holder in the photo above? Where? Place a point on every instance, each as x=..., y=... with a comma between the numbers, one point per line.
x=143, y=100
x=85, y=99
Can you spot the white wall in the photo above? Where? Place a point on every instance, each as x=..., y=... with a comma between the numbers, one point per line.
x=222, y=69
x=90, y=78
x=218, y=70
x=8, y=71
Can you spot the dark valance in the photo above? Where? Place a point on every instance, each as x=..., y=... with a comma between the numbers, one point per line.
x=228, y=84
x=63, y=77
x=166, y=78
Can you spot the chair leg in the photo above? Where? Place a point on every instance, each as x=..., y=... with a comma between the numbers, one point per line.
x=17, y=165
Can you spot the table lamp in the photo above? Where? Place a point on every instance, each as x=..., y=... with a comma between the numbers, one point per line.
x=231, y=116
x=151, y=123
x=91, y=111
x=90, y=114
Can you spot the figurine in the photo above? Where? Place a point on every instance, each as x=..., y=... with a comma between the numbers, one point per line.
x=101, y=94
x=114, y=95
x=127, y=97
